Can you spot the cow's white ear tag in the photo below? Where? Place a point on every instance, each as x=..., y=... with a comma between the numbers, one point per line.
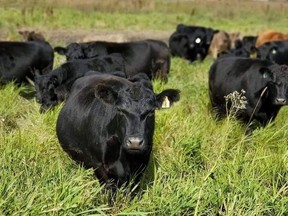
x=198, y=40
x=166, y=103
x=265, y=75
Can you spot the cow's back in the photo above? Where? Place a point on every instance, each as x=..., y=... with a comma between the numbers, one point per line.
x=137, y=54
x=18, y=59
x=268, y=36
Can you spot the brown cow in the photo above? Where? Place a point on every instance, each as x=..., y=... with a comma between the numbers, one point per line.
x=219, y=44
x=269, y=35
x=234, y=39
x=222, y=42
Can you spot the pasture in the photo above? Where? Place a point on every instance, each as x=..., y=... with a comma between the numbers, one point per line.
x=198, y=166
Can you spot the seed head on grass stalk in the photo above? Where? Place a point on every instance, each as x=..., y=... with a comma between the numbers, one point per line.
x=237, y=100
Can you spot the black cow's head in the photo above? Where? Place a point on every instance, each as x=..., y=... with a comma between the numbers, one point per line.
x=134, y=103
x=197, y=48
x=266, y=51
x=191, y=42
x=45, y=86
x=198, y=43
x=276, y=77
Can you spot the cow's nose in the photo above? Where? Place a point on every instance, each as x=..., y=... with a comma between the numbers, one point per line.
x=280, y=101
x=135, y=143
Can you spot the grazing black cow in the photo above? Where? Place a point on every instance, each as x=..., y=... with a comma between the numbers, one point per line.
x=107, y=124
x=53, y=87
x=276, y=51
x=191, y=42
x=18, y=59
x=148, y=56
x=265, y=85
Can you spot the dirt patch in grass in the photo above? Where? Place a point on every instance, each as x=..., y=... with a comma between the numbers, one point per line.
x=124, y=36
x=56, y=37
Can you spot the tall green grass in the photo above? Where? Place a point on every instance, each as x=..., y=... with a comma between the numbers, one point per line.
x=198, y=166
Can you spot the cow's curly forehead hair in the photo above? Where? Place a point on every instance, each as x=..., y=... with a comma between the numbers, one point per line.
x=281, y=71
x=135, y=92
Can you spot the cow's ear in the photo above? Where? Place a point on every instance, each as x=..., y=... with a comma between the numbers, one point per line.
x=60, y=50
x=166, y=98
x=106, y=93
x=266, y=73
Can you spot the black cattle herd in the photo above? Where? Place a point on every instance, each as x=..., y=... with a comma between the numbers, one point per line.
x=108, y=118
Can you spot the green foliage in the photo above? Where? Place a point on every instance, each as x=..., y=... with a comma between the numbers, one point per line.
x=198, y=166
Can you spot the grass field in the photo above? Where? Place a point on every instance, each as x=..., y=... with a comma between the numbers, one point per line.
x=198, y=166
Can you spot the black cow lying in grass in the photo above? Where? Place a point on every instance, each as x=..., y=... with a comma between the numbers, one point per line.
x=149, y=56
x=53, y=87
x=18, y=59
x=107, y=124
x=191, y=42
x=265, y=85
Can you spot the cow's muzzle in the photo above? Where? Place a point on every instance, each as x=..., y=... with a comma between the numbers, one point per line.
x=280, y=101
x=135, y=143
